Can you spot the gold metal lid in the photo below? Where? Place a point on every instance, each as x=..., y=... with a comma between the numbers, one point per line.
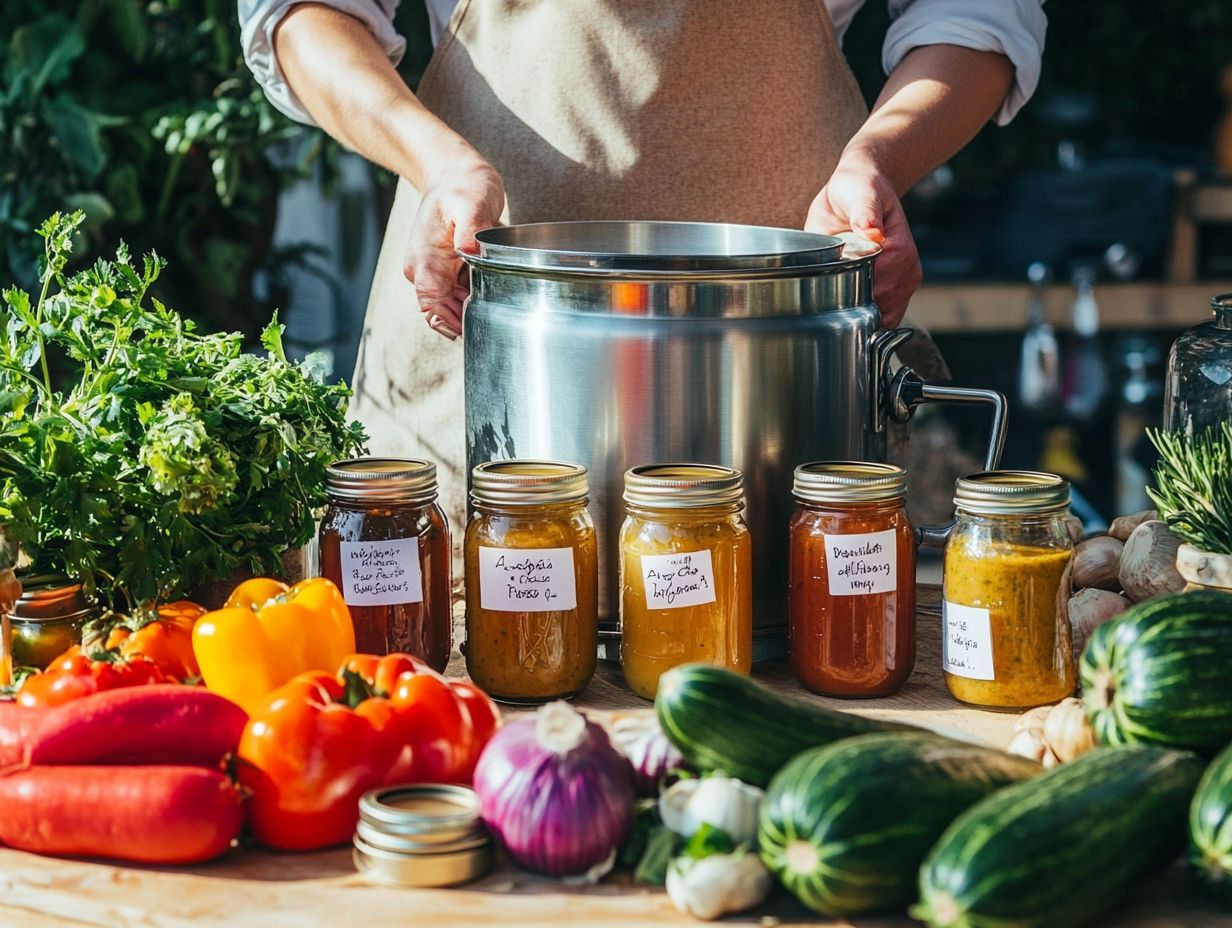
x=405, y=480
x=51, y=598
x=683, y=486
x=849, y=482
x=430, y=812
x=1011, y=492
x=528, y=483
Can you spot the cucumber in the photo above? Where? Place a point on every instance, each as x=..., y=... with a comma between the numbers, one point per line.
x=724, y=721
x=1061, y=848
x=845, y=827
x=1159, y=673
x=1210, y=825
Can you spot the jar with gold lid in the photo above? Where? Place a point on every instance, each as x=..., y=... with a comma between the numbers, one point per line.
x=46, y=620
x=686, y=573
x=532, y=591
x=1006, y=635
x=851, y=579
x=384, y=541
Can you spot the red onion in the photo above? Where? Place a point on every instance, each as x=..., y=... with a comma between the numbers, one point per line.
x=555, y=792
x=653, y=757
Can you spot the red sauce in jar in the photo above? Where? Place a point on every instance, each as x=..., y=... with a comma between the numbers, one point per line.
x=851, y=586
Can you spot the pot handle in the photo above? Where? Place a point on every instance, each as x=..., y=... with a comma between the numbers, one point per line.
x=906, y=390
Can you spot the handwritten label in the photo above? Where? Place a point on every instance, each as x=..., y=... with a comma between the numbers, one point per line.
x=673, y=581
x=860, y=564
x=527, y=579
x=967, y=648
x=381, y=573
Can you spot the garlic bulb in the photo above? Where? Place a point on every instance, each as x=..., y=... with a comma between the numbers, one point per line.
x=718, y=884
x=1148, y=563
x=1089, y=609
x=1053, y=735
x=721, y=802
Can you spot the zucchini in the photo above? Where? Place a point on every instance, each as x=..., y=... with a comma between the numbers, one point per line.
x=1059, y=849
x=725, y=722
x=1210, y=825
x=846, y=827
x=1159, y=673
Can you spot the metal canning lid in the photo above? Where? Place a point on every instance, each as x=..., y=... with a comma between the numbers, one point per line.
x=1011, y=492
x=400, y=843
x=683, y=486
x=849, y=482
x=51, y=598
x=447, y=868
x=528, y=483
x=409, y=480
x=428, y=811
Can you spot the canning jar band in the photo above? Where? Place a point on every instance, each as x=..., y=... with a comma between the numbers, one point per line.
x=372, y=479
x=529, y=483
x=1011, y=492
x=849, y=482
x=683, y=486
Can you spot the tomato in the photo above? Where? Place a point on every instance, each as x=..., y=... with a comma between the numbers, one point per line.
x=74, y=675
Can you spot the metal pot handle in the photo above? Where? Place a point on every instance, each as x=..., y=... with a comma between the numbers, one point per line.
x=905, y=390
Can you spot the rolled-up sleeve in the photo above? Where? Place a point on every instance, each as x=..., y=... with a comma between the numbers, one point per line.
x=259, y=19
x=1015, y=28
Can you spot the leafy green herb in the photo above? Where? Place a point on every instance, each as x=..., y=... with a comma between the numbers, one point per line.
x=1193, y=486
x=162, y=458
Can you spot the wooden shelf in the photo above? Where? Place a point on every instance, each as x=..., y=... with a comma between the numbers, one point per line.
x=989, y=307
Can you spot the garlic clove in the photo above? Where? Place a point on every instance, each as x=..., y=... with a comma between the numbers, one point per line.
x=718, y=885
x=672, y=803
x=1029, y=743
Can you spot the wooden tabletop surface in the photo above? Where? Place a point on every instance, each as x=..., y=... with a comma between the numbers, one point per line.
x=259, y=889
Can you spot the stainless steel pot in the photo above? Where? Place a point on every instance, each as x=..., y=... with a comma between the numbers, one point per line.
x=612, y=344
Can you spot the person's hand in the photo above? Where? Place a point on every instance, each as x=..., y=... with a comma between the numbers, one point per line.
x=464, y=197
x=859, y=198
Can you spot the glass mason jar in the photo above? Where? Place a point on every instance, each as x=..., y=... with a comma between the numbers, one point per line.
x=686, y=572
x=46, y=620
x=1006, y=635
x=384, y=542
x=532, y=581
x=1198, y=386
x=851, y=579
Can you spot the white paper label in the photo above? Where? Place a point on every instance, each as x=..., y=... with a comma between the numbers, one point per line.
x=860, y=564
x=381, y=573
x=967, y=648
x=527, y=579
x=673, y=581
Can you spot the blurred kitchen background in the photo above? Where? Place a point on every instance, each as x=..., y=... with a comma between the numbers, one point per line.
x=1062, y=254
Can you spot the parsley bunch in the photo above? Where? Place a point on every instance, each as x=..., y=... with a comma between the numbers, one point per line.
x=159, y=458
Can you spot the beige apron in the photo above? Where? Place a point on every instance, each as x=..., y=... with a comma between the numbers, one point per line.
x=705, y=110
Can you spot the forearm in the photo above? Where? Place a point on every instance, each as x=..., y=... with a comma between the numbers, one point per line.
x=933, y=103
x=339, y=72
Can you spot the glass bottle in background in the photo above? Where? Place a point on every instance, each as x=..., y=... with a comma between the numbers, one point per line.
x=686, y=572
x=1006, y=638
x=1086, y=373
x=1138, y=410
x=384, y=542
x=532, y=581
x=1198, y=385
x=1039, y=366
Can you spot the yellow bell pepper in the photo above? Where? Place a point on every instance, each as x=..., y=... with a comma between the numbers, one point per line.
x=267, y=632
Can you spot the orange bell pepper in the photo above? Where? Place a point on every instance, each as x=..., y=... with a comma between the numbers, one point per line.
x=267, y=633
x=166, y=640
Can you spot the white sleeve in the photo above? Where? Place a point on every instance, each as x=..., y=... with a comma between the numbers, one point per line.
x=259, y=19
x=1015, y=28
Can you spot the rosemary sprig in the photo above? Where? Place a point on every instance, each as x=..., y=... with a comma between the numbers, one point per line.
x=1193, y=486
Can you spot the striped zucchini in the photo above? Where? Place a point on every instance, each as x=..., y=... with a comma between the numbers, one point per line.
x=1159, y=673
x=1210, y=824
x=724, y=721
x=1061, y=848
x=845, y=827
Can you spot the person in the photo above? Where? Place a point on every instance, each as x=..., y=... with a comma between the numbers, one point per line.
x=538, y=110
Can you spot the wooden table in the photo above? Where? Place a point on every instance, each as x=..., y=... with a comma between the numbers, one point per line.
x=258, y=889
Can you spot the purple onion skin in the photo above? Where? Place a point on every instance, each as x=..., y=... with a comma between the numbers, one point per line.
x=556, y=814
x=653, y=757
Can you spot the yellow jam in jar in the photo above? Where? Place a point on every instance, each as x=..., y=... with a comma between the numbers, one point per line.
x=531, y=581
x=1007, y=641
x=685, y=572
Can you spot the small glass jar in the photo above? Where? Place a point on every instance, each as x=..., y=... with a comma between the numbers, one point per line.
x=686, y=572
x=532, y=581
x=851, y=579
x=1198, y=387
x=384, y=541
x=46, y=620
x=1006, y=637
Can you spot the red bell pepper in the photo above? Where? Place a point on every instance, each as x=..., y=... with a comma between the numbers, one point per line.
x=319, y=742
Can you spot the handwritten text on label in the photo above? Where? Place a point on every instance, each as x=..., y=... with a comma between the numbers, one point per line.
x=966, y=650
x=863, y=563
x=381, y=573
x=673, y=581
x=527, y=579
